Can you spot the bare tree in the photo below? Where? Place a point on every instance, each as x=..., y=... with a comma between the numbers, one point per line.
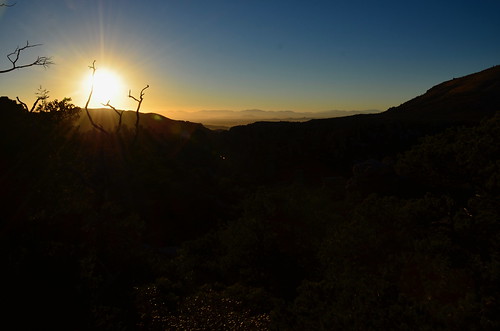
x=13, y=57
x=25, y=106
x=139, y=102
x=118, y=112
x=42, y=95
x=95, y=125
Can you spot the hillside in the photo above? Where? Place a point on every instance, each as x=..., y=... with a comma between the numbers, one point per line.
x=378, y=221
x=468, y=98
x=327, y=147
x=153, y=123
x=224, y=119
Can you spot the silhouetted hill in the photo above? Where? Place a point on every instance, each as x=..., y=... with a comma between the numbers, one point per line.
x=179, y=227
x=155, y=124
x=224, y=119
x=325, y=147
x=469, y=98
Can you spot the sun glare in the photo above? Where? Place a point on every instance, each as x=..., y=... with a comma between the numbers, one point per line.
x=107, y=87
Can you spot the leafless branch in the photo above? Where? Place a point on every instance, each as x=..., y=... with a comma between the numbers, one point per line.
x=139, y=102
x=25, y=106
x=95, y=125
x=34, y=104
x=111, y=106
x=13, y=57
x=118, y=112
x=7, y=5
x=42, y=95
x=91, y=86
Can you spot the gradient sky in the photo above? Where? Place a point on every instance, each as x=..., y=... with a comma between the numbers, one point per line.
x=250, y=54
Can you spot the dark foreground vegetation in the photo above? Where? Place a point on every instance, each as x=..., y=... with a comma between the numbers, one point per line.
x=388, y=221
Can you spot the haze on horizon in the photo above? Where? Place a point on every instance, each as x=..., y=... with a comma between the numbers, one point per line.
x=273, y=55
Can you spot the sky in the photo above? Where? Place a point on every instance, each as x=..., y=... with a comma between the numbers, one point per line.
x=246, y=54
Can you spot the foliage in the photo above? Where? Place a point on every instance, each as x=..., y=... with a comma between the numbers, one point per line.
x=99, y=232
x=458, y=160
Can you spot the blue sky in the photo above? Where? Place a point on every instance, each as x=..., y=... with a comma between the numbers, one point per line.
x=271, y=55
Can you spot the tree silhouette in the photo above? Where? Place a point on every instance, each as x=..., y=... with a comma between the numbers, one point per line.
x=118, y=112
x=42, y=95
x=139, y=102
x=95, y=125
x=13, y=57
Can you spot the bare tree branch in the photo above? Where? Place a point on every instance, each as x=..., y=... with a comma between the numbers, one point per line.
x=25, y=106
x=7, y=5
x=34, y=103
x=97, y=126
x=118, y=112
x=13, y=57
x=139, y=102
x=42, y=95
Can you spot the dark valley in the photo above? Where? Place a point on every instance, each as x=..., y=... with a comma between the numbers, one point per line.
x=370, y=221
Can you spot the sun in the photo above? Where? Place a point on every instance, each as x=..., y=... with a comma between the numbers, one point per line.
x=108, y=86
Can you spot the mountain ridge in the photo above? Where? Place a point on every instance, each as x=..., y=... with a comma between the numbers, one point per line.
x=465, y=99
x=133, y=227
x=230, y=118
x=456, y=98
x=321, y=147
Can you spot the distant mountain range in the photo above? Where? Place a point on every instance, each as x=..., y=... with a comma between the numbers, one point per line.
x=213, y=119
x=461, y=100
x=320, y=146
x=228, y=118
x=182, y=224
